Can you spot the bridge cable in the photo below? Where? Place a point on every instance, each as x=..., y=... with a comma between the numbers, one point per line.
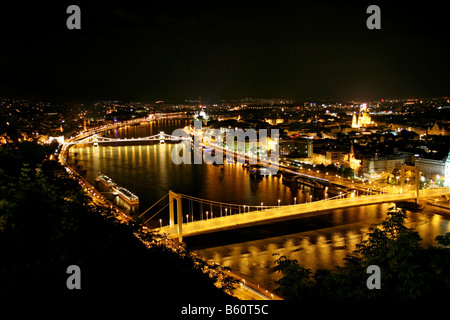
x=157, y=212
x=153, y=205
x=216, y=202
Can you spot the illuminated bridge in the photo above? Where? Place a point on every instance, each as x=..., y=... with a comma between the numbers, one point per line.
x=221, y=216
x=96, y=139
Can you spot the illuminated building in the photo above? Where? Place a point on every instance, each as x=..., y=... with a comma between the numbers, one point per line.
x=437, y=130
x=373, y=166
x=447, y=171
x=362, y=119
x=202, y=115
x=435, y=168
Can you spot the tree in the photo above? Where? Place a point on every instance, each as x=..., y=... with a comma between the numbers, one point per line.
x=347, y=172
x=408, y=271
x=295, y=283
x=332, y=169
x=394, y=248
x=444, y=240
x=392, y=177
x=46, y=226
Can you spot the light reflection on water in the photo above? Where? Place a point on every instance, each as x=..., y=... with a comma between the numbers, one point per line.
x=321, y=248
x=317, y=243
x=148, y=172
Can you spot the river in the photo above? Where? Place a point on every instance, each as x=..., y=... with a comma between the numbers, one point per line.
x=317, y=242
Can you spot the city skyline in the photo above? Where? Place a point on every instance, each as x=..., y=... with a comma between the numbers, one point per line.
x=150, y=52
x=215, y=153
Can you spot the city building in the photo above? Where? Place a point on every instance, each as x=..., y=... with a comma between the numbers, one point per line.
x=350, y=160
x=362, y=119
x=430, y=167
x=299, y=148
x=335, y=157
x=447, y=171
x=376, y=166
x=437, y=129
x=435, y=168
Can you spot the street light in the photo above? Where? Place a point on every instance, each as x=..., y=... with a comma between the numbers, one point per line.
x=207, y=215
x=160, y=223
x=295, y=200
x=279, y=202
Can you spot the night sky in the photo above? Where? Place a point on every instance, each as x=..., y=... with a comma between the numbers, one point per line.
x=147, y=51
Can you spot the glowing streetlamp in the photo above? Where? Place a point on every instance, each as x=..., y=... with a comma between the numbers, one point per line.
x=295, y=200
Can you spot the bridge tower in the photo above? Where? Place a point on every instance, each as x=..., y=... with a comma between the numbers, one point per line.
x=176, y=197
x=161, y=137
x=414, y=169
x=95, y=140
x=310, y=149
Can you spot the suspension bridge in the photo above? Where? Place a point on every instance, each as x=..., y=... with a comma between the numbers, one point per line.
x=196, y=216
x=96, y=139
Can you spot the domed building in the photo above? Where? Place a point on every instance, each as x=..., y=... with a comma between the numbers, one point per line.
x=201, y=116
x=362, y=119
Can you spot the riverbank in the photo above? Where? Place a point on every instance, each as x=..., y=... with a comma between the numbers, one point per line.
x=318, y=242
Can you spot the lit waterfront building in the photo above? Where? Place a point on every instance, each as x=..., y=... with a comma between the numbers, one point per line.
x=374, y=166
x=447, y=171
x=435, y=168
x=431, y=167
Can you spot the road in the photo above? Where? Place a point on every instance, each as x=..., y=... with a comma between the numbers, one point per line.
x=287, y=212
x=354, y=184
x=246, y=290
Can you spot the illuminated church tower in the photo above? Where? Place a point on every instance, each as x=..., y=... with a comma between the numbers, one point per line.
x=355, y=121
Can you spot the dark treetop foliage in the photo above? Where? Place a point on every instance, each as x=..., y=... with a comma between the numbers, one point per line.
x=47, y=223
x=408, y=271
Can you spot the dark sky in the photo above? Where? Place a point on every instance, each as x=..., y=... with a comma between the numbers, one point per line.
x=169, y=51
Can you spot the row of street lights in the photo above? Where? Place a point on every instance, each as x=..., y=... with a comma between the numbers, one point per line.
x=245, y=207
x=341, y=195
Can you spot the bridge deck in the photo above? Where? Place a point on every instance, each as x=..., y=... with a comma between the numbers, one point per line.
x=287, y=213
